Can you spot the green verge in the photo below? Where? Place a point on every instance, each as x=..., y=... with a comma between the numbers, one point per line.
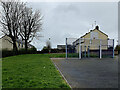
x=31, y=71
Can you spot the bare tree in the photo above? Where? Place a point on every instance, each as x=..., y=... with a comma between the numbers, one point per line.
x=31, y=25
x=11, y=15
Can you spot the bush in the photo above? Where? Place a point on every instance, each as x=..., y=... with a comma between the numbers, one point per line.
x=118, y=48
x=6, y=53
x=55, y=50
x=29, y=51
x=44, y=50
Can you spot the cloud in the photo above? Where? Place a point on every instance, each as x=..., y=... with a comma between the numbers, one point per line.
x=71, y=19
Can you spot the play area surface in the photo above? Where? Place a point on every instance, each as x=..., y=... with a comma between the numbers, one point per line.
x=89, y=72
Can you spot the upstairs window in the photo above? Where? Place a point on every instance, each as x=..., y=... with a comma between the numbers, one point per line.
x=94, y=35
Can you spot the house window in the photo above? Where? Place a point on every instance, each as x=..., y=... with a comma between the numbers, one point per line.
x=94, y=35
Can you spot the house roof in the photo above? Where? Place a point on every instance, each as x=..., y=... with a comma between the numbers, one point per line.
x=18, y=40
x=2, y=36
x=97, y=27
x=94, y=30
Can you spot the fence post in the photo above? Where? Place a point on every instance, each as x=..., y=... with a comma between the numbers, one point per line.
x=80, y=48
x=66, y=48
x=113, y=48
x=100, y=49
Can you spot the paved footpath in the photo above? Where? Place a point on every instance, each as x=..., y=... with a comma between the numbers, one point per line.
x=89, y=73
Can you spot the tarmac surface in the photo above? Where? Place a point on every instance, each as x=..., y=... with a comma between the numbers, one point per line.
x=89, y=72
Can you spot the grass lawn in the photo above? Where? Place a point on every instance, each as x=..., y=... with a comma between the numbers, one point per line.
x=31, y=71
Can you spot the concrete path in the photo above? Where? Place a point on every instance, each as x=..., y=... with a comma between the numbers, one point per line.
x=89, y=73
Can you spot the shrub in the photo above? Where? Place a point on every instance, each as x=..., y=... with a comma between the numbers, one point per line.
x=55, y=50
x=6, y=53
x=118, y=48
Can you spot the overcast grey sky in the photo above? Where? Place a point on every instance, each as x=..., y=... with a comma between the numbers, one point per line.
x=74, y=19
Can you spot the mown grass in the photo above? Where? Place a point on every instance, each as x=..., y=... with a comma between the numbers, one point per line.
x=31, y=71
x=56, y=55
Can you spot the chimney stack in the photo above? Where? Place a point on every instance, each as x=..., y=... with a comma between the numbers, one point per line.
x=97, y=27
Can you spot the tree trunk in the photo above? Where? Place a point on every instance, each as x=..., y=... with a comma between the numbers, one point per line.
x=15, y=49
x=26, y=46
